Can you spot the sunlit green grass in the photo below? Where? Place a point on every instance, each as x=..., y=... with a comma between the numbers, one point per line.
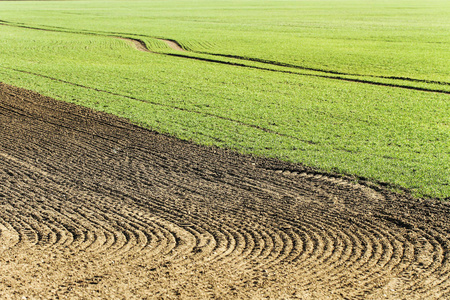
x=391, y=38
x=386, y=134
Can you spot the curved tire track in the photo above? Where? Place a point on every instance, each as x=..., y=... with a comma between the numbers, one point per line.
x=92, y=206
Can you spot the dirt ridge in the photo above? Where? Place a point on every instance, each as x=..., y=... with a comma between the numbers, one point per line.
x=92, y=206
x=173, y=44
x=141, y=46
x=138, y=44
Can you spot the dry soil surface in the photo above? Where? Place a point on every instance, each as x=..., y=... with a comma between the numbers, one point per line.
x=140, y=45
x=93, y=207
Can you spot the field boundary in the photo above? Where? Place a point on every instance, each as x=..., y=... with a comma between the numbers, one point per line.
x=93, y=205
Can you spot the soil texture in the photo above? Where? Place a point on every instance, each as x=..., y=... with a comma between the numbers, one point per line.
x=94, y=207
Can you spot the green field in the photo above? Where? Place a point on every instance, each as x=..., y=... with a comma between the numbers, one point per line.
x=355, y=87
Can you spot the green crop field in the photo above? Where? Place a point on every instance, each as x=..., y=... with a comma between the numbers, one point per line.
x=354, y=87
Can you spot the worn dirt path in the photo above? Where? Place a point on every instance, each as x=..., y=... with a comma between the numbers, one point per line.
x=140, y=45
x=92, y=207
x=172, y=44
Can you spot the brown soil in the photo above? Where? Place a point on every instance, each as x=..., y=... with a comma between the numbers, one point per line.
x=140, y=45
x=172, y=44
x=93, y=207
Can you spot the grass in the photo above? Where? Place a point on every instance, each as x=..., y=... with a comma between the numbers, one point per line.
x=302, y=87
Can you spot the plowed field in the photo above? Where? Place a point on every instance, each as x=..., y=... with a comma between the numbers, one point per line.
x=93, y=207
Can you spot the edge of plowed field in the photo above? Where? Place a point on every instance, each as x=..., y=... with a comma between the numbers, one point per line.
x=92, y=206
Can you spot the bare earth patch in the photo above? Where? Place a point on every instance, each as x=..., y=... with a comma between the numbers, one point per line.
x=140, y=45
x=172, y=44
x=93, y=207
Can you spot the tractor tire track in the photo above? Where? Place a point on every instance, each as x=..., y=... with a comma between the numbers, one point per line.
x=92, y=206
x=242, y=61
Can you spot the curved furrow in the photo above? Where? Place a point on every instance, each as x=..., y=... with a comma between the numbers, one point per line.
x=386, y=263
x=226, y=244
x=56, y=233
x=271, y=244
x=69, y=220
x=240, y=248
x=184, y=242
x=240, y=258
x=366, y=263
x=248, y=234
x=335, y=262
x=141, y=226
x=136, y=237
x=315, y=177
x=61, y=231
x=244, y=243
x=120, y=239
x=129, y=236
x=330, y=180
x=11, y=220
x=431, y=258
x=396, y=266
x=442, y=284
x=418, y=260
x=9, y=237
x=276, y=238
x=110, y=206
x=204, y=244
x=325, y=262
x=69, y=227
x=88, y=235
x=325, y=266
x=185, y=239
x=218, y=239
x=158, y=242
x=364, y=248
x=226, y=240
x=28, y=235
x=33, y=230
x=314, y=242
x=379, y=255
x=261, y=248
x=241, y=243
x=101, y=227
x=285, y=248
x=266, y=245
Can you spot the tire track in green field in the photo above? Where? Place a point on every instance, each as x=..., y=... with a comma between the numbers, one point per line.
x=267, y=65
x=164, y=105
x=281, y=64
x=355, y=80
